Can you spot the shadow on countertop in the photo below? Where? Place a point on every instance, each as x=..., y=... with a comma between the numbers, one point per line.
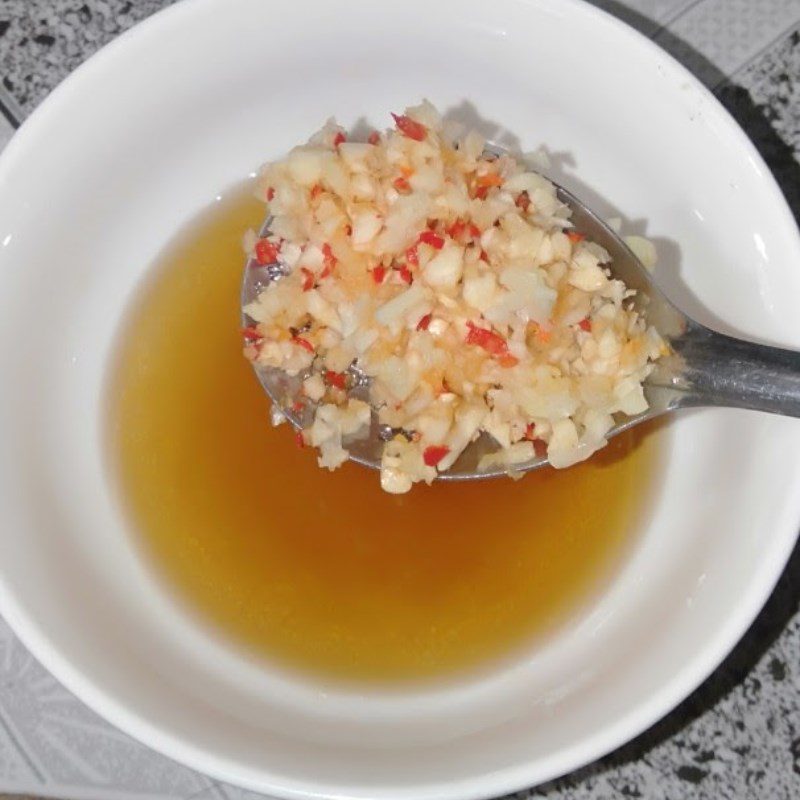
x=784, y=601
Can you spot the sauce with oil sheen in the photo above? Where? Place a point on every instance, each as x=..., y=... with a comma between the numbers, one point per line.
x=318, y=571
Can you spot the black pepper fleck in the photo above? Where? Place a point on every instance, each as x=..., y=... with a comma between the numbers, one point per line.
x=690, y=773
x=777, y=669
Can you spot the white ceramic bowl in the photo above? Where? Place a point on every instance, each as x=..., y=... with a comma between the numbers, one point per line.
x=148, y=132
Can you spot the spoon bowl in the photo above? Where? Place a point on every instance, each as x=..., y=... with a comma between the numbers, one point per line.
x=704, y=368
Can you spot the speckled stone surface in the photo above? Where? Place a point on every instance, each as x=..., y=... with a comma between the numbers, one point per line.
x=738, y=735
x=774, y=81
x=42, y=41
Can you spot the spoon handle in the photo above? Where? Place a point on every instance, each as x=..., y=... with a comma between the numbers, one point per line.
x=723, y=371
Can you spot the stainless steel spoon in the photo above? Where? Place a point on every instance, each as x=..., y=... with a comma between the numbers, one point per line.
x=707, y=368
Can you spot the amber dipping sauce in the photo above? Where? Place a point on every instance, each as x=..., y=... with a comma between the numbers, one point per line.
x=322, y=572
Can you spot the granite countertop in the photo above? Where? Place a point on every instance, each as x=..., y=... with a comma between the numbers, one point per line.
x=738, y=735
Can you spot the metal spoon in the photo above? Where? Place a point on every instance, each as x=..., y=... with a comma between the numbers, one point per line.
x=707, y=368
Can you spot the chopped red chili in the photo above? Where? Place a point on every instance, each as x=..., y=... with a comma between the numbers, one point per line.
x=379, y=273
x=433, y=454
x=459, y=227
x=493, y=343
x=308, y=279
x=337, y=379
x=585, y=324
x=251, y=333
x=539, y=445
x=410, y=127
x=304, y=343
x=266, y=252
x=431, y=238
x=490, y=179
x=327, y=253
x=455, y=230
x=329, y=260
x=423, y=324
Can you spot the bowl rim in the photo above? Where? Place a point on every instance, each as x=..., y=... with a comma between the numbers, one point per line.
x=611, y=735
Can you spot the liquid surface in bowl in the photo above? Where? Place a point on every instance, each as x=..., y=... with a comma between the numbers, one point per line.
x=323, y=572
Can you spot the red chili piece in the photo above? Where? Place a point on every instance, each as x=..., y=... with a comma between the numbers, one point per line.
x=585, y=325
x=402, y=185
x=575, y=237
x=523, y=201
x=431, y=238
x=455, y=230
x=266, y=252
x=379, y=273
x=338, y=139
x=299, y=440
x=337, y=379
x=412, y=258
x=490, y=179
x=308, y=279
x=405, y=274
x=490, y=341
x=304, y=343
x=270, y=193
x=423, y=324
x=374, y=137
x=433, y=454
x=410, y=127
x=251, y=334
x=329, y=260
x=539, y=445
